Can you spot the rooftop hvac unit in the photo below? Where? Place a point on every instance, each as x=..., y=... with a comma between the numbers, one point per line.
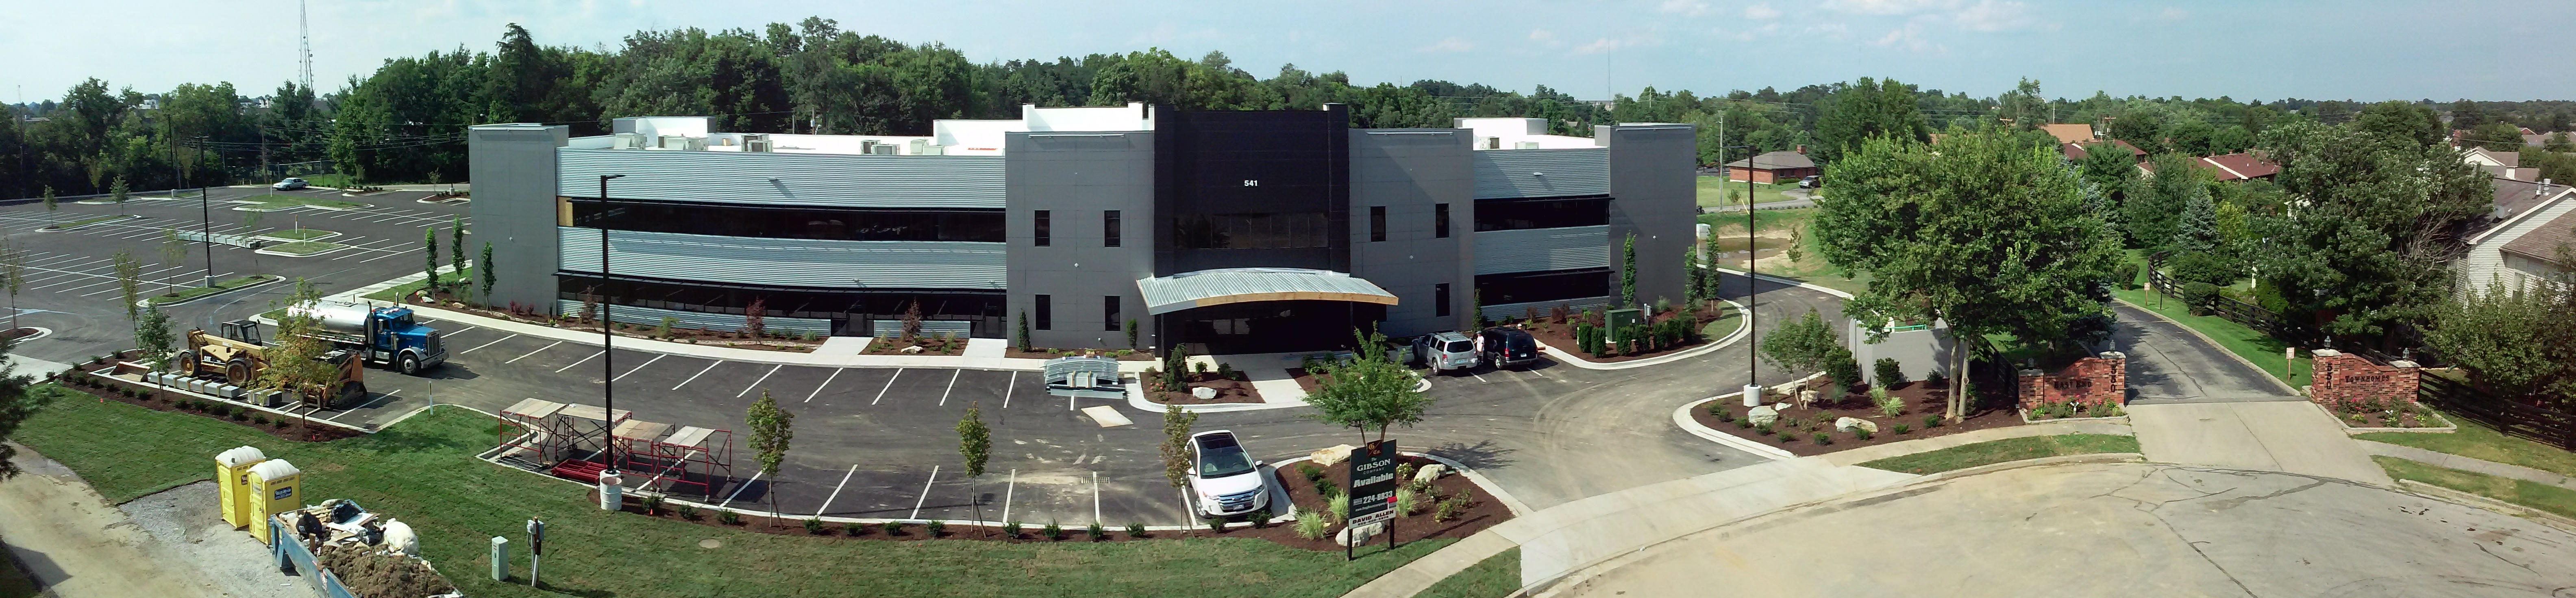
x=882, y=149
x=628, y=141
x=1525, y=145
x=917, y=146
x=1493, y=143
x=757, y=145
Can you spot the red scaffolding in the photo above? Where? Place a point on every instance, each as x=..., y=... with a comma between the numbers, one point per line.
x=691, y=457
x=556, y=436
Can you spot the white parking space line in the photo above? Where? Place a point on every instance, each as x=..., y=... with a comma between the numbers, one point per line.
x=694, y=377
x=1008, y=387
x=1007, y=489
x=539, y=350
x=952, y=386
x=756, y=383
x=494, y=341
x=898, y=373
x=656, y=357
x=836, y=491
x=583, y=360
x=1095, y=497
x=925, y=493
x=1479, y=377
x=827, y=381
x=379, y=399
x=737, y=490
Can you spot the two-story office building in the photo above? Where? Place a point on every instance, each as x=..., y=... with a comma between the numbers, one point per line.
x=1247, y=231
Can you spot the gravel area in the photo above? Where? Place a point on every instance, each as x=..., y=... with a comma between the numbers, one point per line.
x=185, y=520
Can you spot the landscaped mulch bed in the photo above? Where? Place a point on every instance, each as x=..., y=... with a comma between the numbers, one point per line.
x=1921, y=399
x=695, y=336
x=1045, y=353
x=14, y=334
x=279, y=426
x=1560, y=334
x=1228, y=390
x=930, y=345
x=2386, y=414
x=1483, y=512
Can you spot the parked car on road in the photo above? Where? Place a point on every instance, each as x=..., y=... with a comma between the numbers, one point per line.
x=290, y=183
x=1811, y=182
x=1228, y=481
x=1509, y=347
x=1446, y=350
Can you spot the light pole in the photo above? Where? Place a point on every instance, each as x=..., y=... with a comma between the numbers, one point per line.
x=205, y=209
x=1752, y=359
x=607, y=352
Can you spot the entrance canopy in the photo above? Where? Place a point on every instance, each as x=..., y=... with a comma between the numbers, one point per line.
x=1204, y=288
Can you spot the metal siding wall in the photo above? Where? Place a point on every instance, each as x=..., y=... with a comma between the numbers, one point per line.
x=786, y=179
x=1504, y=174
x=1654, y=195
x=1516, y=310
x=790, y=262
x=1409, y=171
x=1542, y=249
x=651, y=316
x=514, y=208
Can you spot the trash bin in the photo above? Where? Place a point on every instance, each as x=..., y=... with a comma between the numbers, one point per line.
x=275, y=487
x=232, y=478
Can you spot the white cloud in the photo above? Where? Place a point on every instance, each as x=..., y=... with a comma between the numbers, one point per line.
x=1598, y=46
x=1761, y=12
x=1540, y=35
x=1910, y=38
x=1452, y=44
x=1886, y=7
x=1687, y=8
x=1991, y=16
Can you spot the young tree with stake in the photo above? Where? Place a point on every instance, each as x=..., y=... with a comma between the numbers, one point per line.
x=429, y=251
x=485, y=268
x=174, y=251
x=771, y=429
x=13, y=267
x=129, y=279
x=1176, y=444
x=456, y=251
x=975, y=443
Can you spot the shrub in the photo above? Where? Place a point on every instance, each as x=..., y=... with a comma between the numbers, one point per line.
x=854, y=529
x=935, y=528
x=892, y=528
x=729, y=518
x=1137, y=530
x=1788, y=436
x=1931, y=420
x=1743, y=423
x=1311, y=525
x=1717, y=409
x=1404, y=471
x=1822, y=439
x=1312, y=472
x=1214, y=522
x=280, y=423
x=814, y=525
x=2102, y=409
x=652, y=504
x=1451, y=507
x=1861, y=433
x=1327, y=489
x=1225, y=370
x=1095, y=532
x=1890, y=373
x=1935, y=379
x=689, y=512
x=1052, y=531
x=2198, y=294
x=2126, y=274
x=1341, y=508
x=1762, y=430
x=1901, y=429
x=1888, y=404
x=259, y=419
x=241, y=415
x=1260, y=518
x=1843, y=368
x=1404, y=501
x=1011, y=530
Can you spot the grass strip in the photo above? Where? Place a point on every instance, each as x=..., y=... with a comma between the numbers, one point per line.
x=397, y=292
x=1723, y=325
x=423, y=471
x=1712, y=191
x=195, y=292
x=2521, y=492
x=1495, y=577
x=2009, y=449
x=297, y=234
x=303, y=248
x=2478, y=441
x=271, y=201
x=84, y=222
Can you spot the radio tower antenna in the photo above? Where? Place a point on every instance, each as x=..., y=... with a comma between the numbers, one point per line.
x=304, y=42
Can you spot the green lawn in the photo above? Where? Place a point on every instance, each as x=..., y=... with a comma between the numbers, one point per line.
x=303, y=248
x=273, y=201
x=423, y=471
x=298, y=234
x=2249, y=343
x=195, y=292
x=2477, y=441
x=84, y=222
x=2521, y=492
x=1714, y=191
x=1813, y=269
x=1495, y=577
x=2009, y=449
x=1723, y=325
x=465, y=275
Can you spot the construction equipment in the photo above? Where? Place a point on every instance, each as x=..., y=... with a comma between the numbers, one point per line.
x=385, y=335
x=240, y=362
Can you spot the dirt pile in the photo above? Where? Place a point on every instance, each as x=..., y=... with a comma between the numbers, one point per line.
x=373, y=573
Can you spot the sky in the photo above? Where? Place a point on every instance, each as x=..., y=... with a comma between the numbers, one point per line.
x=2347, y=49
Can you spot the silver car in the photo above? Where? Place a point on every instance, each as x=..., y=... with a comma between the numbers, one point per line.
x=1445, y=351
x=290, y=183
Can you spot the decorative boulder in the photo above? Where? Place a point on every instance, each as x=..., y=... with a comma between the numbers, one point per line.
x=1430, y=472
x=912, y=349
x=1763, y=416
x=1332, y=454
x=1203, y=393
x=1806, y=397
x=1846, y=424
x=1354, y=536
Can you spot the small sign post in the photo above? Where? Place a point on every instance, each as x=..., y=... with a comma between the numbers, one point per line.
x=1372, y=492
x=536, y=547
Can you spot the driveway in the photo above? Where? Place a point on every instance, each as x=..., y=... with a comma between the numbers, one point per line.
x=77, y=546
x=2168, y=364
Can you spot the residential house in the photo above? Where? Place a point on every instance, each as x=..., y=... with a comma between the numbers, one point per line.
x=2518, y=242
x=1773, y=167
x=2079, y=149
x=2503, y=165
x=2239, y=167
x=2070, y=132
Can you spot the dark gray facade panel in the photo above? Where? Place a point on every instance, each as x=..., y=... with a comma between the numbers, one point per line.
x=788, y=179
x=1541, y=172
x=1654, y=197
x=514, y=208
x=811, y=263
x=1074, y=177
x=1542, y=249
x=1410, y=172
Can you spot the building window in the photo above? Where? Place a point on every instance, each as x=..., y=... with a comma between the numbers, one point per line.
x=1045, y=223
x=789, y=222
x=1046, y=309
x=1440, y=299
x=1250, y=231
x=1554, y=285
x=1109, y=313
x=1523, y=214
x=1440, y=221
x=1109, y=228
x=1377, y=223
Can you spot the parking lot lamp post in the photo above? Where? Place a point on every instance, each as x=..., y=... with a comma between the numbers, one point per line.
x=607, y=352
x=205, y=209
x=1753, y=341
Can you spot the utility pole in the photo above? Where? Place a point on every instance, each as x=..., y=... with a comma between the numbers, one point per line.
x=1752, y=279
x=607, y=352
x=206, y=210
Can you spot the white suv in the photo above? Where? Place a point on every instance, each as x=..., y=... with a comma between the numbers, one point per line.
x=1225, y=477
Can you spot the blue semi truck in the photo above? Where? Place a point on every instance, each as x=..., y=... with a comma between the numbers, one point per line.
x=384, y=335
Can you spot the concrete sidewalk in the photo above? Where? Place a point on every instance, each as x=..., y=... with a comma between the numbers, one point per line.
x=1568, y=537
x=2294, y=437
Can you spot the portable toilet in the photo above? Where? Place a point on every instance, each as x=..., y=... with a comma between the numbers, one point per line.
x=232, y=478
x=275, y=487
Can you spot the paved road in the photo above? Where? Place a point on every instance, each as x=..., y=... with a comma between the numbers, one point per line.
x=2129, y=529
x=2168, y=364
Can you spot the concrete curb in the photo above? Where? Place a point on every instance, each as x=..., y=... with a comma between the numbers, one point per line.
x=1682, y=418
x=1800, y=284
x=336, y=247
x=2467, y=499
x=272, y=279
x=51, y=229
x=2284, y=385
x=1571, y=359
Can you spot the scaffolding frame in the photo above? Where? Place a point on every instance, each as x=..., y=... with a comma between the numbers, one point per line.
x=690, y=456
x=554, y=433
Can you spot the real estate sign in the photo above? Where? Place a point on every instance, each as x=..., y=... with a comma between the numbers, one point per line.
x=1373, y=482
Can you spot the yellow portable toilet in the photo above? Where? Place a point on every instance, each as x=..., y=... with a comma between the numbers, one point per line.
x=275, y=487
x=232, y=476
